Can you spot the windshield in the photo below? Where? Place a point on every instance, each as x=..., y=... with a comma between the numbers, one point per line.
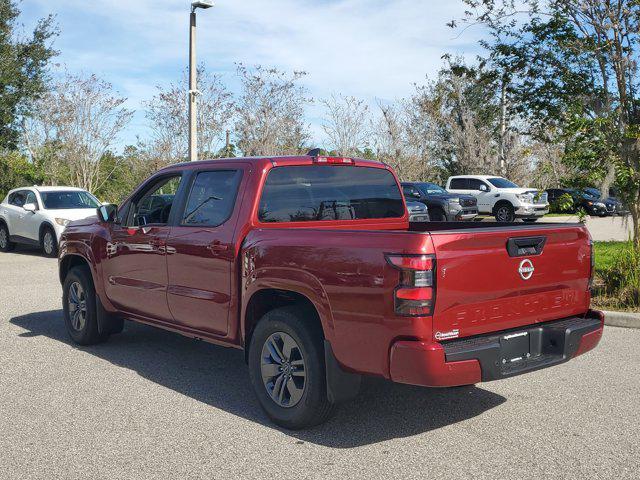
x=431, y=188
x=500, y=182
x=64, y=200
x=594, y=192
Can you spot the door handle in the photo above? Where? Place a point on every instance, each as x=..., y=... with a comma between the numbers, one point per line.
x=217, y=247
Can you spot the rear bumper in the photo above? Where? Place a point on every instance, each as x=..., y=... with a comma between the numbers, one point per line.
x=478, y=359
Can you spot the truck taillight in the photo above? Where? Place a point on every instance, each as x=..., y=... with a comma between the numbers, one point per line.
x=592, y=264
x=415, y=294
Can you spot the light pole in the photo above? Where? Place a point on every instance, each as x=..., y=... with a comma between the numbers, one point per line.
x=193, y=88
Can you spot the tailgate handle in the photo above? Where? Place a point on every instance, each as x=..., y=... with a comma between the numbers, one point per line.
x=525, y=246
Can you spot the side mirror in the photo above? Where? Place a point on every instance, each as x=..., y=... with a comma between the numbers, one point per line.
x=30, y=207
x=415, y=194
x=107, y=213
x=483, y=188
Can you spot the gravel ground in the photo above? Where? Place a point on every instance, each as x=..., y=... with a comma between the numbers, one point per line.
x=151, y=404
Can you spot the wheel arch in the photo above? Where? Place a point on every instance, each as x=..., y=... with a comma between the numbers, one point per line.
x=70, y=261
x=266, y=299
x=46, y=224
x=503, y=202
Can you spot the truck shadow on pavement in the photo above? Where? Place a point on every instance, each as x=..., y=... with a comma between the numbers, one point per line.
x=219, y=377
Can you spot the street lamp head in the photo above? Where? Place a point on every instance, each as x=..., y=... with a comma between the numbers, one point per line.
x=201, y=4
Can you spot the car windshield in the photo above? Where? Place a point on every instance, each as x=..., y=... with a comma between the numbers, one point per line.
x=594, y=192
x=64, y=200
x=431, y=188
x=500, y=182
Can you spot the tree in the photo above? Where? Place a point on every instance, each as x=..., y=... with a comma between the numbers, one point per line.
x=168, y=114
x=574, y=70
x=347, y=124
x=23, y=69
x=74, y=125
x=270, y=112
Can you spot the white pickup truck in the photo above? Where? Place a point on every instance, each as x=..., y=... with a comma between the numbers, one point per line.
x=501, y=198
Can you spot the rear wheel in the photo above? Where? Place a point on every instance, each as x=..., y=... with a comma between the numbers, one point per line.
x=79, y=307
x=504, y=212
x=49, y=242
x=287, y=370
x=6, y=245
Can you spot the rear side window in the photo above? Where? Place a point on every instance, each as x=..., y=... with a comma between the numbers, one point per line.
x=316, y=193
x=459, y=184
x=212, y=198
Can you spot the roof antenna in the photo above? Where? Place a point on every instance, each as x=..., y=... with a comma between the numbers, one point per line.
x=314, y=152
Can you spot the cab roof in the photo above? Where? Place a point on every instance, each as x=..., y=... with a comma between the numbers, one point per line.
x=276, y=160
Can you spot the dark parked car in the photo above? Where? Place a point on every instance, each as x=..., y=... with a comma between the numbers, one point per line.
x=443, y=206
x=614, y=205
x=581, y=200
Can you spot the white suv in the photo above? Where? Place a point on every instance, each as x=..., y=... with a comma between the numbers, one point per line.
x=501, y=198
x=38, y=215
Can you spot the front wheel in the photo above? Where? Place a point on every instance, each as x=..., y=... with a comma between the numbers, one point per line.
x=49, y=242
x=287, y=370
x=437, y=215
x=505, y=213
x=79, y=307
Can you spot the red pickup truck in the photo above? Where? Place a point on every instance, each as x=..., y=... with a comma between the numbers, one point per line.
x=311, y=266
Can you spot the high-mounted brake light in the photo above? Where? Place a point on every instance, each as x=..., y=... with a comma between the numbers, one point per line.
x=415, y=294
x=334, y=160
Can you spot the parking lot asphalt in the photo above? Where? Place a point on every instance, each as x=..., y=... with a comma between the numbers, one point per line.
x=152, y=404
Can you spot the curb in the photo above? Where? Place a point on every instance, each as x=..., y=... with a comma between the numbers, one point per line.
x=622, y=319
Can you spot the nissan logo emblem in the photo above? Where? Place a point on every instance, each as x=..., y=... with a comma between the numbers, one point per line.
x=526, y=269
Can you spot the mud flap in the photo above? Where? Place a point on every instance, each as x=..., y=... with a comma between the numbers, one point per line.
x=107, y=322
x=341, y=386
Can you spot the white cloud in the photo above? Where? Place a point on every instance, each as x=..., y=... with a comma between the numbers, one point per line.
x=367, y=48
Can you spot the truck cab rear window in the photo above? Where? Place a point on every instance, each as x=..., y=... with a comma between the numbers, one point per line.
x=317, y=193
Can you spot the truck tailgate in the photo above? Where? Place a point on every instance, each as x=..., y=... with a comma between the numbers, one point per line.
x=492, y=279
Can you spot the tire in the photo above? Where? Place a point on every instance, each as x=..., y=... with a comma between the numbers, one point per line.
x=6, y=245
x=437, y=215
x=529, y=220
x=291, y=400
x=48, y=242
x=79, y=307
x=504, y=212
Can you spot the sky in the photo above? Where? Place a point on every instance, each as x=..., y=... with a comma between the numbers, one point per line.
x=371, y=49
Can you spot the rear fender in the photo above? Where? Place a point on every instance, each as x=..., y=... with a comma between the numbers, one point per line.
x=293, y=280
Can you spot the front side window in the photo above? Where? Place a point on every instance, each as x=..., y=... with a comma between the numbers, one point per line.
x=500, y=182
x=475, y=184
x=64, y=200
x=154, y=207
x=31, y=198
x=212, y=198
x=17, y=199
x=320, y=192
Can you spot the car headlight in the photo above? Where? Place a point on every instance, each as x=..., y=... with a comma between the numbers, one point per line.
x=454, y=204
x=62, y=222
x=525, y=197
